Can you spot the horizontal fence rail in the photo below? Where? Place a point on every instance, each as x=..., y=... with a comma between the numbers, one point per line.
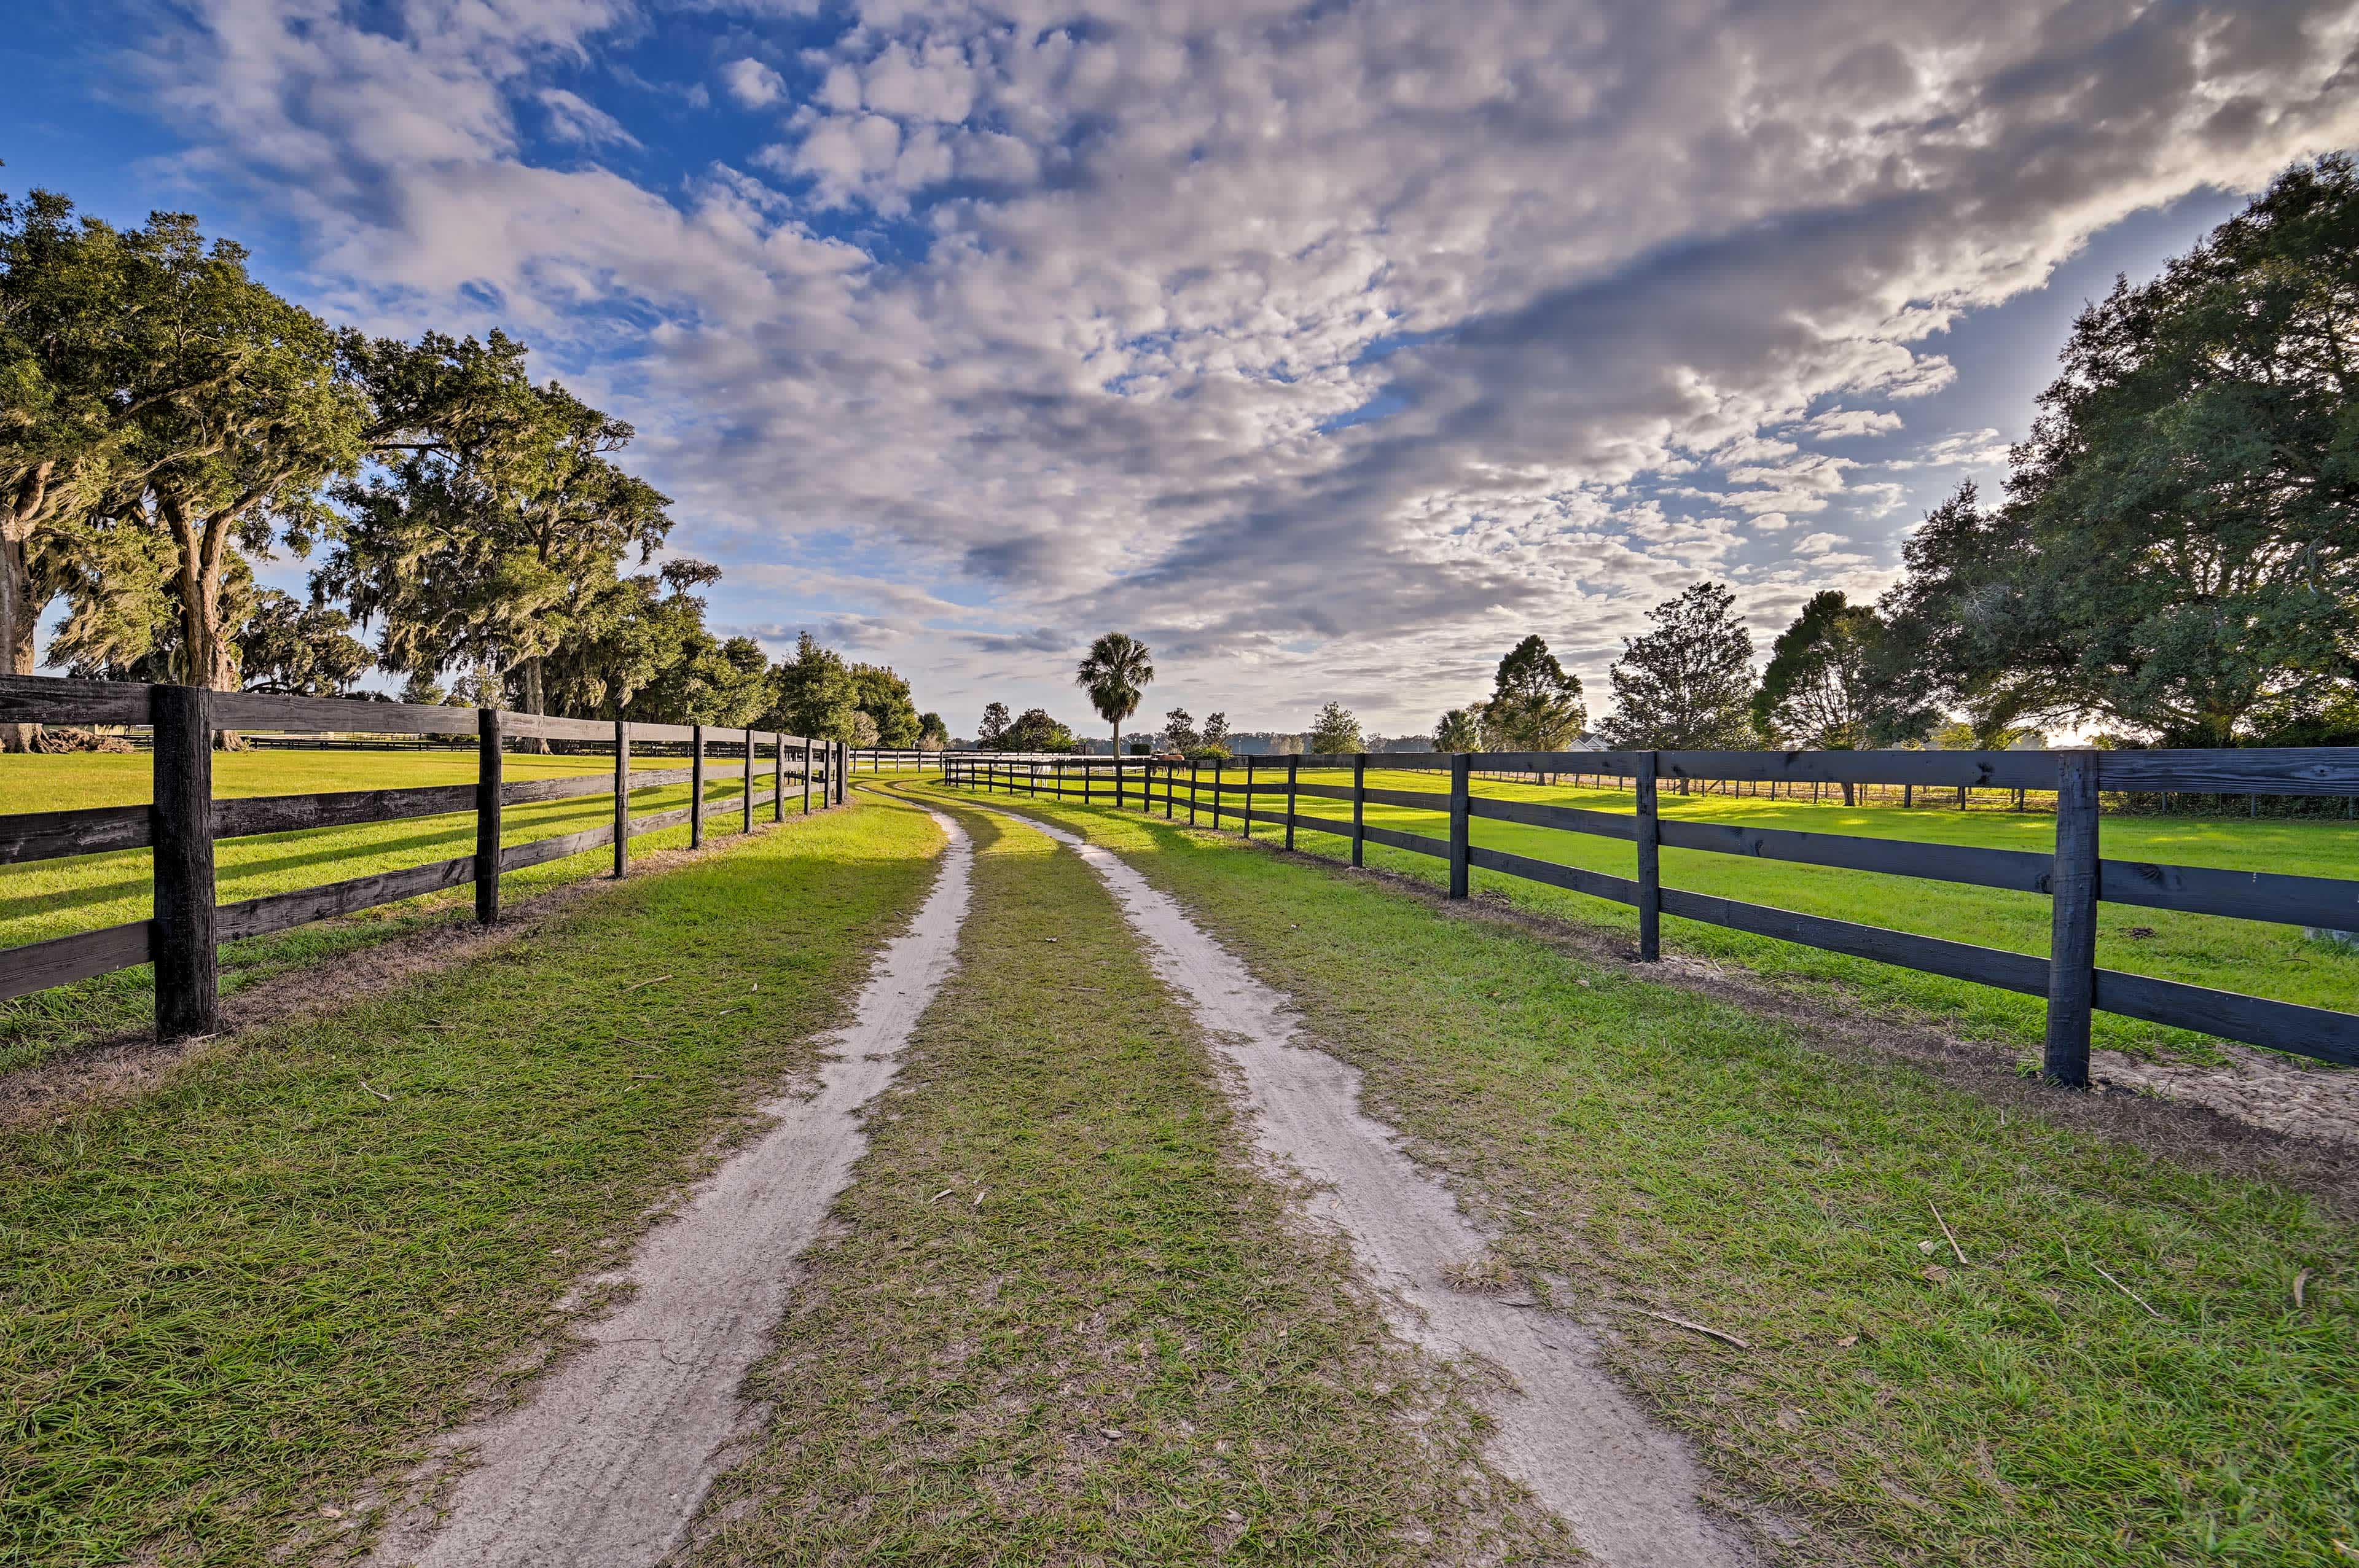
x=2075, y=877
x=184, y=819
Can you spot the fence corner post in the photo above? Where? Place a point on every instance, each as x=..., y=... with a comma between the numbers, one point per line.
x=2072, y=946
x=749, y=781
x=696, y=788
x=187, y=964
x=622, y=800
x=488, y=728
x=1293, y=767
x=1359, y=802
x=1650, y=862
x=1462, y=769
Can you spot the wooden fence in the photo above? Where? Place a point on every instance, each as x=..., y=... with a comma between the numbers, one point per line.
x=2076, y=876
x=183, y=820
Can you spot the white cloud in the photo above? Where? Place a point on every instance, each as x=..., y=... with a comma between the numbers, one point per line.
x=1567, y=253
x=573, y=118
x=1977, y=448
x=752, y=84
x=1839, y=424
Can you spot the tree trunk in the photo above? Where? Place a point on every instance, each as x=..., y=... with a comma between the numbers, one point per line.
x=1847, y=794
x=18, y=614
x=536, y=701
x=211, y=658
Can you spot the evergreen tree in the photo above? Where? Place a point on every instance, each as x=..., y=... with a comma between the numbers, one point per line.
x=992, y=733
x=1687, y=686
x=1334, y=730
x=1535, y=705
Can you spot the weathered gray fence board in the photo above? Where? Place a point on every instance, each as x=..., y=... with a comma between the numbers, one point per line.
x=1958, y=960
x=1597, y=884
x=2254, y=770
x=1570, y=818
x=62, y=960
x=2256, y=1021
x=312, y=715
x=656, y=821
x=541, y=851
x=250, y=816
x=90, y=830
x=282, y=910
x=45, y=699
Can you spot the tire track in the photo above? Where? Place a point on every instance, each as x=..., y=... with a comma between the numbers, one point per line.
x=609, y=1459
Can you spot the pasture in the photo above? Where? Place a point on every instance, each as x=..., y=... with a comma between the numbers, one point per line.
x=2274, y=962
x=1642, y=1149
x=53, y=898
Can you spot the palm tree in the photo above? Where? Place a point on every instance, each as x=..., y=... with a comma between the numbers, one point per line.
x=1115, y=672
x=1460, y=730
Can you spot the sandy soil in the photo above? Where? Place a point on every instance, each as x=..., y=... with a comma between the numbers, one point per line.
x=609, y=1459
x=1630, y=1490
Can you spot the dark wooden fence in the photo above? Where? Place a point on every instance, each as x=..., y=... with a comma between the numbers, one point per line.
x=2076, y=876
x=183, y=821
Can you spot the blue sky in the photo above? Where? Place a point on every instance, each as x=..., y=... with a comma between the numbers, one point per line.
x=1330, y=349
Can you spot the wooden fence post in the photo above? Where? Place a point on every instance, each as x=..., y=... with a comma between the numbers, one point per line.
x=1117, y=775
x=843, y=782
x=2072, y=946
x=1359, y=803
x=188, y=967
x=1462, y=767
x=806, y=772
x=1293, y=764
x=1252, y=766
x=1219, y=766
x=779, y=780
x=622, y=800
x=1650, y=863
x=1170, y=792
x=749, y=781
x=487, y=815
x=696, y=788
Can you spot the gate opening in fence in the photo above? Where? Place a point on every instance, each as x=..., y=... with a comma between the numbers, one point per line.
x=2076, y=876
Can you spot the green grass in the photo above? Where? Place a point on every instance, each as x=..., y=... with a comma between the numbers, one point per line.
x=1123, y=1352
x=55, y=898
x=2257, y=958
x=1662, y=1150
x=233, y=1302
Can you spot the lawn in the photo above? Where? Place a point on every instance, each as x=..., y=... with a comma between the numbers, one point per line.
x=1652, y=1149
x=55, y=898
x=1064, y=1319
x=2274, y=962
x=228, y=1306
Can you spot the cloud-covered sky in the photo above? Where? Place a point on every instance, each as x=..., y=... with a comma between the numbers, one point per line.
x=1329, y=346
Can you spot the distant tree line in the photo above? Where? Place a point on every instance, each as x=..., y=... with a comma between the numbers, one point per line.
x=165, y=420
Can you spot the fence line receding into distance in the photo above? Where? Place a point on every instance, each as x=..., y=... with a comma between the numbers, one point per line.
x=184, y=819
x=2075, y=877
